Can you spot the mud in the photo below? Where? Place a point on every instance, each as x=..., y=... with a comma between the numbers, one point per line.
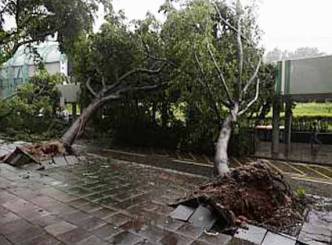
x=254, y=194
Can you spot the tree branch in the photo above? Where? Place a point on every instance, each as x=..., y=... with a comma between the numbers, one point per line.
x=88, y=85
x=252, y=101
x=239, y=57
x=118, y=94
x=251, y=80
x=229, y=24
x=140, y=70
x=221, y=75
x=206, y=85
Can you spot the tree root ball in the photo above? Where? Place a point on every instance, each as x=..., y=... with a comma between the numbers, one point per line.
x=254, y=193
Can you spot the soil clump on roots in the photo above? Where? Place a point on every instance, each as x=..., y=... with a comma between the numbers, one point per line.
x=253, y=194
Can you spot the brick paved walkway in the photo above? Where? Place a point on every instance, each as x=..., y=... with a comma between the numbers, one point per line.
x=95, y=202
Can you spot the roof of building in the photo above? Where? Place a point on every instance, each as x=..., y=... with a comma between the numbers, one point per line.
x=49, y=51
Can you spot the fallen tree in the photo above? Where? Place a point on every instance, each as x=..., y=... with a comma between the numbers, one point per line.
x=106, y=94
x=253, y=194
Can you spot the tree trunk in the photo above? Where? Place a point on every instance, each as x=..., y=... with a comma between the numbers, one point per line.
x=221, y=157
x=77, y=128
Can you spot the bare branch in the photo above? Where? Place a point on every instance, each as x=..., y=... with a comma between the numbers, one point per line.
x=140, y=70
x=204, y=83
x=119, y=93
x=220, y=74
x=88, y=85
x=251, y=80
x=239, y=57
x=252, y=101
x=229, y=24
x=103, y=83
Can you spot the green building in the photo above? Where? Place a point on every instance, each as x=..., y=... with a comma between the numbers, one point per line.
x=22, y=66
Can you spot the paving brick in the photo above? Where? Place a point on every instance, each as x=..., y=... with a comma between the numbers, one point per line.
x=310, y=234
x=173, y=238
x=77, y=217
x=90, y=207
x=60, y=161
x=46, y=220
x=58, y=195
x=103, y=213
x=59, y=228
x=150, y=232
x=275, y=239
x=46, y=202
x=190, y=231
x=182, y=213
x=107, y=231
x=7, y=197
x=8, y=217
x=219, y=238
x=237, y=241
x=15, y=225
x=25, y=234
x=78, y=202
x=118, y=219
x=167, y=223
x=4, y=241
x=198, y=242
x=125, y=238
x=73, y=236
x=71, y=160
x=45, y=239
x=92, y=240
x=253, y=234
x=92, y=223
x=319, y=218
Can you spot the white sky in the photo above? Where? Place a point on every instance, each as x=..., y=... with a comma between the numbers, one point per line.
x=287, y=24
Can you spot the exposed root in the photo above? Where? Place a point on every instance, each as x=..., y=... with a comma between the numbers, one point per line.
x=253, y=193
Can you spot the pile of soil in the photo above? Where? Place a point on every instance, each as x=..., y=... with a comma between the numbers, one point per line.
x=252, y=194
x=46, y=150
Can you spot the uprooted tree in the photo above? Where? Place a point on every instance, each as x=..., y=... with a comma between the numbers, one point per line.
x=114, y=63
x=221, y=42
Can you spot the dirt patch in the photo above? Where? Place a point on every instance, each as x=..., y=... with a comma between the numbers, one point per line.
x=255, y=194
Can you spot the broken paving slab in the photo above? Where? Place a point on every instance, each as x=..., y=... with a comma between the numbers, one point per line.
x=252, y=234
x=315, y=235
x=19, y=157
x=182, y=213
x=320, y=218
x=276, y=239
x=203, y=217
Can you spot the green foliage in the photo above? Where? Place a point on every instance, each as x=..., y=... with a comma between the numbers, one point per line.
x=301, y=193
x=33, y=109
x=35, y=20
x=187, y=114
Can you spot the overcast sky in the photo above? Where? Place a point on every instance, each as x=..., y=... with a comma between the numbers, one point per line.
x=288, y=24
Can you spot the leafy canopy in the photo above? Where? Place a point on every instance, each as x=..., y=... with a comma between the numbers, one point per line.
x=34, y=20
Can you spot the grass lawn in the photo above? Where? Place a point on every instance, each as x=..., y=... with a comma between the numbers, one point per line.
x=313, y=109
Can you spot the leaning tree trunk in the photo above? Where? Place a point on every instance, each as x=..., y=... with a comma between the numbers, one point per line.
x=221, y=157
x=77, y=128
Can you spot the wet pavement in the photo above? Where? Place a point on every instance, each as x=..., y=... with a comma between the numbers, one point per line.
x=96, y=200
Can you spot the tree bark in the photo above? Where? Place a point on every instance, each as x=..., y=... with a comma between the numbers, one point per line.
x=77, y=128
x=221, y=157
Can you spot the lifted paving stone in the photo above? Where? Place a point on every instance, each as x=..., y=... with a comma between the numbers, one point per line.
x=253, y=234
x=276, y=239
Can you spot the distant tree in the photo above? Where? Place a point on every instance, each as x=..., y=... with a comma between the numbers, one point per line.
x=304, y=52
